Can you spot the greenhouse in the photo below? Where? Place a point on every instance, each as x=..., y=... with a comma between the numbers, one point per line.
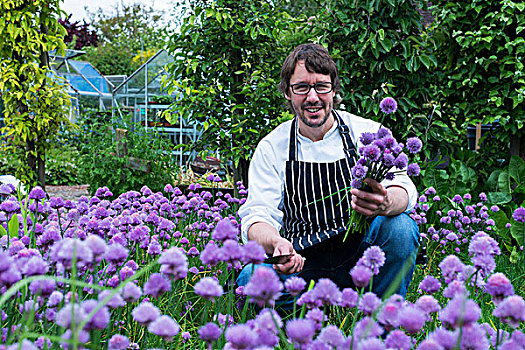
x=86, y=85
x=142, y=97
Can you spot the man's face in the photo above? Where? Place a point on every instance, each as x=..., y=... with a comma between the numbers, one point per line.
x=313, y=109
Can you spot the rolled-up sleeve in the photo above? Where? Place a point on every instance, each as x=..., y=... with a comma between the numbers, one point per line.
x=402, y=180
x=265, y=191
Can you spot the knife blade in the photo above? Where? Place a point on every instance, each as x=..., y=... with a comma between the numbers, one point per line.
x=278, y=259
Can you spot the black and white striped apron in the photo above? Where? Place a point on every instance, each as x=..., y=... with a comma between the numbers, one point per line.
x=314, y=207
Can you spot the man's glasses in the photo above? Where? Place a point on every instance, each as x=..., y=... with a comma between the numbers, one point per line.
x=304, y=89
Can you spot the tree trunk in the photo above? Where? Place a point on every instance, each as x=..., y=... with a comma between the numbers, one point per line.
x=240, y=173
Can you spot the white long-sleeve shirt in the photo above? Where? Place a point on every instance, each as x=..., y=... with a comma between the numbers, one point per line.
x=266, y=174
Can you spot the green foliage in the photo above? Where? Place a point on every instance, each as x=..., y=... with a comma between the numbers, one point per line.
x=111, y=59
x=101, y=166
x=123, y=33
x=61, y=167
x=35, y=100
x=382, y=49
x=228, y=58
x=481, y=60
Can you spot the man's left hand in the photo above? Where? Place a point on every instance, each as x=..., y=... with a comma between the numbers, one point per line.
x=381, y=201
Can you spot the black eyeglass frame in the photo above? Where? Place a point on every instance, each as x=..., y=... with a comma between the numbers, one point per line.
x=310, y=86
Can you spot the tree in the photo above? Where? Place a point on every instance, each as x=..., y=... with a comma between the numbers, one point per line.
x=78, y=34
x=228, y=56
x=481, y=56
x=382, y=48
x=35, y=100
x=123, y=35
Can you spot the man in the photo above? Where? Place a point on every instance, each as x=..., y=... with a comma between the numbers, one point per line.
x=293, y=204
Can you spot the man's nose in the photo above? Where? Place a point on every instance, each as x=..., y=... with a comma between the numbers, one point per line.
x=312, y=95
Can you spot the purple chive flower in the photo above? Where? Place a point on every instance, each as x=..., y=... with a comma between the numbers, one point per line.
x=37, y=193
x=116, y=254
x=356, y=183
x=428, y=304
x=265, y=321
x=174, y=263
x=241, y=336
x=165, y=327
x=55, y=299
x=327, y=292
x=349, y=298
x=232, y=251
x=131, y=292
x=388, y=160
x=430, y=284
x=10, y=206
x=100, y=319
x=398, y=340
x=412, y=319
x=264, y=287
x=294, y=285
x=511, y=311
x=145, y=313
x=211, y=254
x=253, y=253
x=361, y=276
x=366, y=328
x=118, y=342
x=460, y=311
x=42, y=287
x=367, y=138
x=372, y=152
x=429, y=344
x=457, y=199
x=401, y=161
x=413, y=169
x=63, y=317
x=388, y=315
x=35, y=266
x=450, y=267
x=499, y=287
x=208, y=288
x=414, y=145
x=359, y=171
x=369, y=303
x=332, y=336
x=224, y=230
x=444, y=338
x=384, y=132
x=455, y=288
x=388, y=105
x=156, y=285
x=373, y=258
x=317, y=316
x=390, y=176
x=210, y=332
x=300, y=331
x=519, y=214
x=114, y=302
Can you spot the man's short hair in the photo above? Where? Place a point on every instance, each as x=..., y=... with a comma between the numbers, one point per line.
x=316, y=59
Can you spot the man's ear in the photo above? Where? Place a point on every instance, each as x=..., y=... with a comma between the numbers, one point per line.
x=287, y=96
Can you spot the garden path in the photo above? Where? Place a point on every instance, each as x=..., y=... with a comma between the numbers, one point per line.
x=73, y=193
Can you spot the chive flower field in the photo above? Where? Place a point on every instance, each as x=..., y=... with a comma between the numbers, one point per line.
x=151, y=270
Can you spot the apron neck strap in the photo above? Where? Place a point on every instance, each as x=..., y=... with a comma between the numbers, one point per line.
x=344, y=131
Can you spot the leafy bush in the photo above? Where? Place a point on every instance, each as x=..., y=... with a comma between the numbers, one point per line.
x=100, y=164
x=62, y=167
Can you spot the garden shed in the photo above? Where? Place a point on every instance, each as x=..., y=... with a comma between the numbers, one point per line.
x=142, y=97
x=86, y=85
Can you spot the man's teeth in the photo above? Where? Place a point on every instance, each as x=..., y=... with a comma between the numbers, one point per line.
x=312, y=110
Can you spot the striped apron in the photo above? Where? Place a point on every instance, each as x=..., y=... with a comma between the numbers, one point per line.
x=316, y=204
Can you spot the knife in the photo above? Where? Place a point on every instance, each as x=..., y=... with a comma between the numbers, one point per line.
x=278, y=259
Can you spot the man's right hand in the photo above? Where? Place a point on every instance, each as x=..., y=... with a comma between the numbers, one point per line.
x=296, y=262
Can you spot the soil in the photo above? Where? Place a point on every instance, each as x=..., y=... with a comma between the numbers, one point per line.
x=73, y=193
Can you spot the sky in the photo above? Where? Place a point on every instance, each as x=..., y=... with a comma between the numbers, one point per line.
x=76, y=7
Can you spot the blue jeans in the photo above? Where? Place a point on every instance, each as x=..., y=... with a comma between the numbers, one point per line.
x=397, y=236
